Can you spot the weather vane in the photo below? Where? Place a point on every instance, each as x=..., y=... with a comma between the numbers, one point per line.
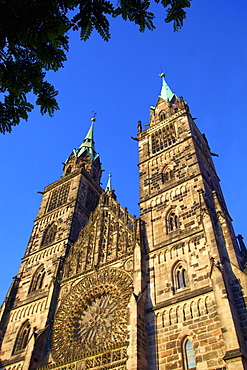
x=94, y=116
x=162, y=74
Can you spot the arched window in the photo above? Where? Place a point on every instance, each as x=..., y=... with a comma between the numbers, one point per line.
x=189, y=355
x=22, y=337
x=167, y=174
x=37, y=280
x=181, y=277
x=49, y=235
x=162, y=115
x=69, y=169
x=172, y=222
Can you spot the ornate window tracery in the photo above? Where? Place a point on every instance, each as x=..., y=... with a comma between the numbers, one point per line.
x=22, y=337
x=163, y=138
x=93, y=315
x=49, y=235
x=37, y=280
x=189, y=355
x=58, y=197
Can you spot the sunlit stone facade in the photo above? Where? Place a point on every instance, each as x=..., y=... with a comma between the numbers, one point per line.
x=100, y=289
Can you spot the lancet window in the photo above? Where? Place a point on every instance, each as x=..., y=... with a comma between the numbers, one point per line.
x=172, y=222
x=162, y=115
x=49, y=235
x=189, y=355
x=22, y=337
x=167, y=174
x=37, y=280
x=180, y=276
x=69, y=169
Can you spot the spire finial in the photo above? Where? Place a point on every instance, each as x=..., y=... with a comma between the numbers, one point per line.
x=88, y=142
x=109, y=183
x=93, y=119
x=166, y=93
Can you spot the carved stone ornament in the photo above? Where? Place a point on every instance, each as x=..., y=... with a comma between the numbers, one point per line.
x=93, y=317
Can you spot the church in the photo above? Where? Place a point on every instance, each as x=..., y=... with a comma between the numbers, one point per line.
x=100, y=289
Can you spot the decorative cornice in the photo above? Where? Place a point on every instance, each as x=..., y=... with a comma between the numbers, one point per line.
x=180, y=297
x=156, y=126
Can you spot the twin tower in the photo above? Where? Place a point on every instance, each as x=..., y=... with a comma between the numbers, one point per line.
x=100, y=289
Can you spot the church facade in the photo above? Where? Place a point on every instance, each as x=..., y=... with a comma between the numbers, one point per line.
x=100, y=289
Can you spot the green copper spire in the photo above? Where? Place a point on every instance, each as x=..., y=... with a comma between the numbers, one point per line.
x=88, y=143
x=166, y=93
x=109, y=183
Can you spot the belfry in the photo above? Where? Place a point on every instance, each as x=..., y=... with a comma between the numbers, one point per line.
x=100, y=289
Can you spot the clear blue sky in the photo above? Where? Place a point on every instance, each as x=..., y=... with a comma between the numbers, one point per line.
x=205, y=62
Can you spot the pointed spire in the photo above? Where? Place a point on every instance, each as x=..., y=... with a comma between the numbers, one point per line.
x=88, y=143
x=109, y=183
x=166, y=93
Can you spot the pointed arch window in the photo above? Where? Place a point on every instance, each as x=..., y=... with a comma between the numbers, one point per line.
x=172, y=222
x=180, y=277
x=162, y=115
x=167, y=174
x=68, y=170
x=189, y=355
x=37, y=280
x=49, y=235
x=22, y=337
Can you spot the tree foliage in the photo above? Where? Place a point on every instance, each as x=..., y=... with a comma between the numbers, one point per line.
x=34, y=39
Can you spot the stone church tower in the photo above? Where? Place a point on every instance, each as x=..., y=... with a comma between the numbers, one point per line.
x=99, y=289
